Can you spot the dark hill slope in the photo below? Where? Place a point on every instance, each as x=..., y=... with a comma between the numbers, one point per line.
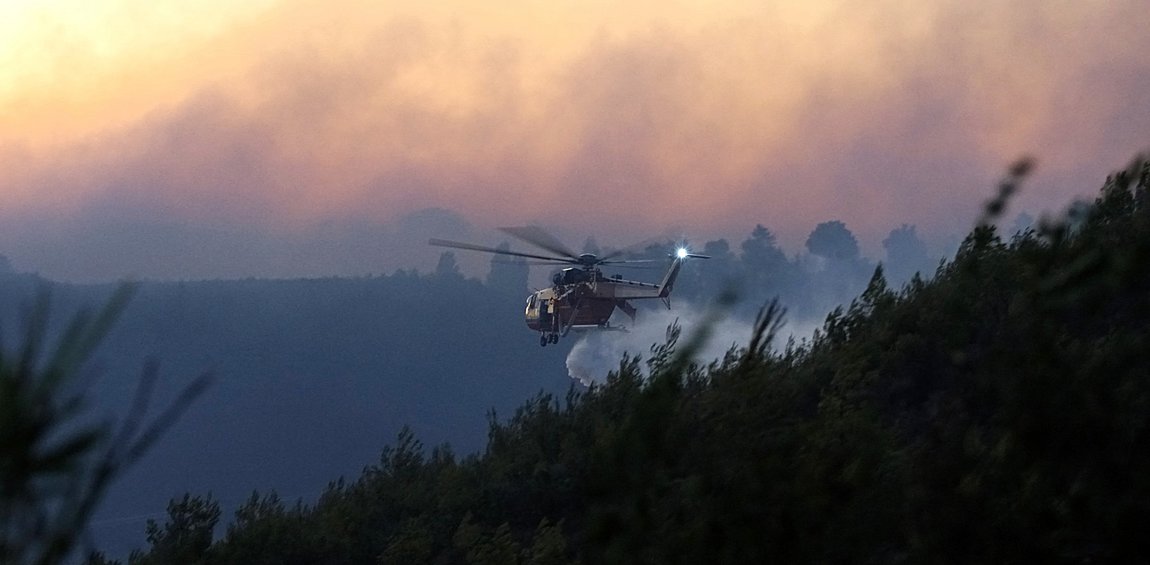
x=311, y=377
x=998, y=413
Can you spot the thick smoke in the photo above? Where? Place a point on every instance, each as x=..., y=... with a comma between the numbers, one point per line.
x=874, y=113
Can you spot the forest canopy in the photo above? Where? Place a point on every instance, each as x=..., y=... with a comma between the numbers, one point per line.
x=997, y=412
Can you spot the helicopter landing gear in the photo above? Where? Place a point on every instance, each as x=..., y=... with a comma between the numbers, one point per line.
x=544, y=339
x=554, y=338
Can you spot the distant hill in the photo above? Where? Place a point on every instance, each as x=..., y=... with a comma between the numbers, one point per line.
x=311, y=377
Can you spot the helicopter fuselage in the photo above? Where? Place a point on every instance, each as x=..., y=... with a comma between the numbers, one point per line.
x=580, y=296
x=552, y=310
x=584, y=299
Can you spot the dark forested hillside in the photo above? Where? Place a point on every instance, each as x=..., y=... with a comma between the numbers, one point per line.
x=996, y=413
x=312, y=376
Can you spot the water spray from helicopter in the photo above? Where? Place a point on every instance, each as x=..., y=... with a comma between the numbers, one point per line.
x=596, y=354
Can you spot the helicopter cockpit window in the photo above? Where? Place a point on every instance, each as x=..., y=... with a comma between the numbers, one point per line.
x=531, y=302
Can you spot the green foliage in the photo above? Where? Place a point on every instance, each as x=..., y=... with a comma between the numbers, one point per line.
x=412, y=544
x=55, y=464
x=187, y=534
x=262, y=522
x=548, y=546
x=480, y=547
x=998, y=413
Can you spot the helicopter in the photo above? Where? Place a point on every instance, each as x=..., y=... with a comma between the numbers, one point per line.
x=581, y=297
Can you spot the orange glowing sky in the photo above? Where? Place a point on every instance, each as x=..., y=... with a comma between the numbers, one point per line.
x=287, y=117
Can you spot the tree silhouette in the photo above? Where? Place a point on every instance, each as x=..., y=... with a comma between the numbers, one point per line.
x=832, y=240
x=447, y=267
x=906, y=254
x=508, y=274
x=186, y=535
x=761, y=250
x=766, y=269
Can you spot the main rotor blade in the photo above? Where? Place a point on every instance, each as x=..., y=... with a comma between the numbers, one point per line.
x=639, y=267
x=631, y=261
x=473, y=247
x=636, y=247
x=536, y=236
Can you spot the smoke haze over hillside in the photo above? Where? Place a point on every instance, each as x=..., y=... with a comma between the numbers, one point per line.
x=296, y=137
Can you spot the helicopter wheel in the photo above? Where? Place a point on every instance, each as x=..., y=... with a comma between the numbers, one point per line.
x=543, y=339
x=554, y=338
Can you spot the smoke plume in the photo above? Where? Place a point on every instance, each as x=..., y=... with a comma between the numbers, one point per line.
x=597, y=353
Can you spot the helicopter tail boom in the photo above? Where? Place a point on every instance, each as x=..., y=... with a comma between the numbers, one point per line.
x=668, y=283
x=623, y=289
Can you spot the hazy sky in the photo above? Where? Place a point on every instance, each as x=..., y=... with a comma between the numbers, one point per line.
x=309, y=137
